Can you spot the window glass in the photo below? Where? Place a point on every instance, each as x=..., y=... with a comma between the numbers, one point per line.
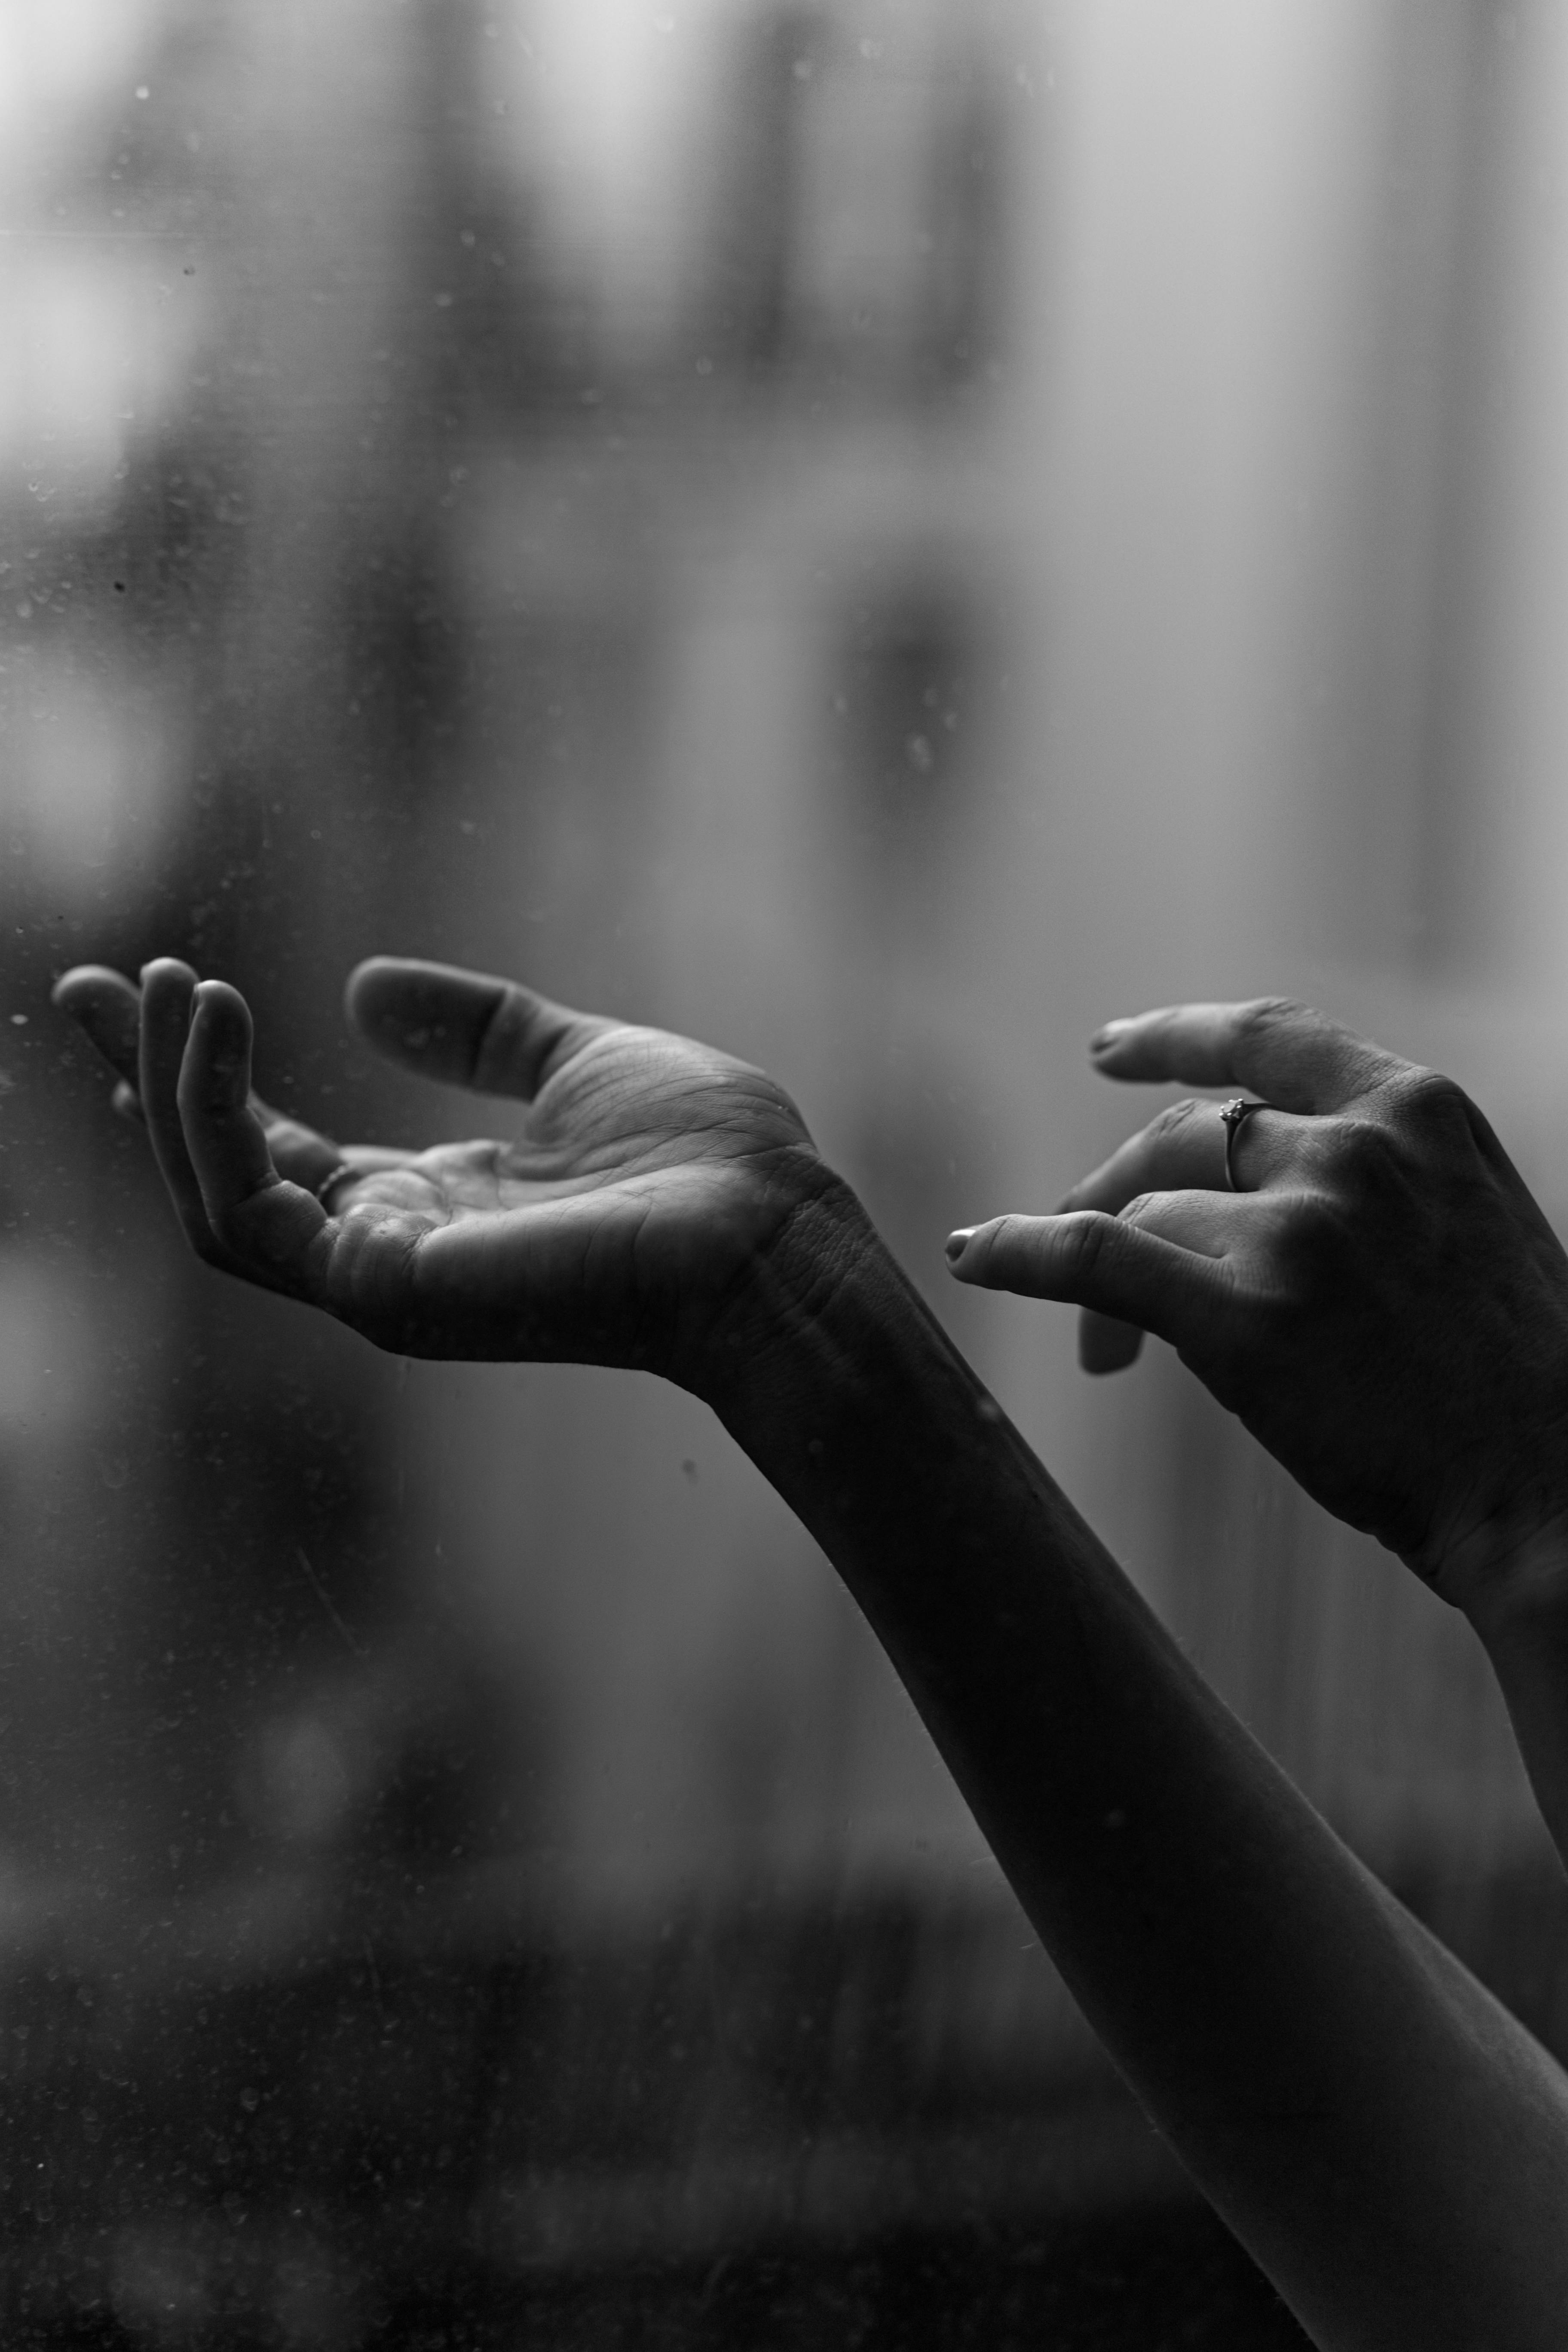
x=881, y=533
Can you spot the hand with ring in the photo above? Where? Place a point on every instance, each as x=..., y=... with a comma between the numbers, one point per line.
x=1350, y=1262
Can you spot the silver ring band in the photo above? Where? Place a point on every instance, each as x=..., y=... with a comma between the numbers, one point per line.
x=1233, y=1115
x=324, y=1185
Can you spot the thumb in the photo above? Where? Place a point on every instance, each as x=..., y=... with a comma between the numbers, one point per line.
x=464, y=1028
x=1110, y=1264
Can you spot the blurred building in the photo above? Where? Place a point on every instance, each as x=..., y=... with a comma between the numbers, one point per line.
x=881, y=533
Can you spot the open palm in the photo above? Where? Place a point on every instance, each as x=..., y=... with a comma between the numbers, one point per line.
x=621, y=1228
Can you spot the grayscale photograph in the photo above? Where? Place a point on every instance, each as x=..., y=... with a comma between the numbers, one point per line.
x=784, y=1120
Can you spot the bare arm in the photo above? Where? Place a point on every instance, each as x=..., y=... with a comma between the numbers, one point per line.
x=1390, y=2146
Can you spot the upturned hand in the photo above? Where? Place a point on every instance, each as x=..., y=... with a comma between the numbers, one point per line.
x=1379, y=1300
x=628, y=1225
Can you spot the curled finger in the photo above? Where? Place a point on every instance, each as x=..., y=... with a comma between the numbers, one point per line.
x=168, y=989
x=1106, y=1344
x=270, y=1227
x=1189, y=1147
x=107, y=1007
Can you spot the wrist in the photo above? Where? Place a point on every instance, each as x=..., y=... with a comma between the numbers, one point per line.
x=806, y=1310
x=833, y=1376
x=1515, y=1595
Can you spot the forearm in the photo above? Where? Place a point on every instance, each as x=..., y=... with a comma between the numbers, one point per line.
x=1337, y=2084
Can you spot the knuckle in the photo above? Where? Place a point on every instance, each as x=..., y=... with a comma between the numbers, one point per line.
x=1078, y=1243
x=1428, y=1099
x=1360, y=1148
x=1370, y=1162
x=1364, y=1177
x=1260, y=1018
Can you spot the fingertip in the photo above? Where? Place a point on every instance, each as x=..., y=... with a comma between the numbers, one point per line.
x=218, y=1053
x=106, y=1009
x=160, y=968
x=1120, y=1049
x=1033, y=1256
x=361, y=987
x=1105, y=1344
x=461, y=1028
x=982, y=1254
x=220, y=1004
x=969, y=1253
x=391, y=1000
x=89, y=979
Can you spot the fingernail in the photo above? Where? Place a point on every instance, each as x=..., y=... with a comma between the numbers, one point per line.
x=957, y=1242
x=1105, y=1037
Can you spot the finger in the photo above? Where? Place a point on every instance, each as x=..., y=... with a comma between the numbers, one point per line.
x=1191, y=1147
x=1294, y=1058
x=1183, y=1149
x=1176, y=1151
x=1104, y=1344
x=1112, y=1264
x=269, y=1225
x=108, y=1008
x=464, y=1028
x=168, y=987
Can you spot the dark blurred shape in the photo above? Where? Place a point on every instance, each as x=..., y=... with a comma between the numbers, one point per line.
x=910, y=692
x=860, y=223
x=450, y=2118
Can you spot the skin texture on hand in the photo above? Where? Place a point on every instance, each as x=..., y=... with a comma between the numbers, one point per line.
x=624, y=1227
x=1381, y=1302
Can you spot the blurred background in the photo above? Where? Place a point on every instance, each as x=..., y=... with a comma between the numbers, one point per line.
x=881, y=533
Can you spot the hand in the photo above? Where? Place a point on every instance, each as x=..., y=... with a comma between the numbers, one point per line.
x=1381, y=1300
x=626, y=1227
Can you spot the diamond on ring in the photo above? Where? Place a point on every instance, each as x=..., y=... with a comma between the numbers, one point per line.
x=1233, y=1115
